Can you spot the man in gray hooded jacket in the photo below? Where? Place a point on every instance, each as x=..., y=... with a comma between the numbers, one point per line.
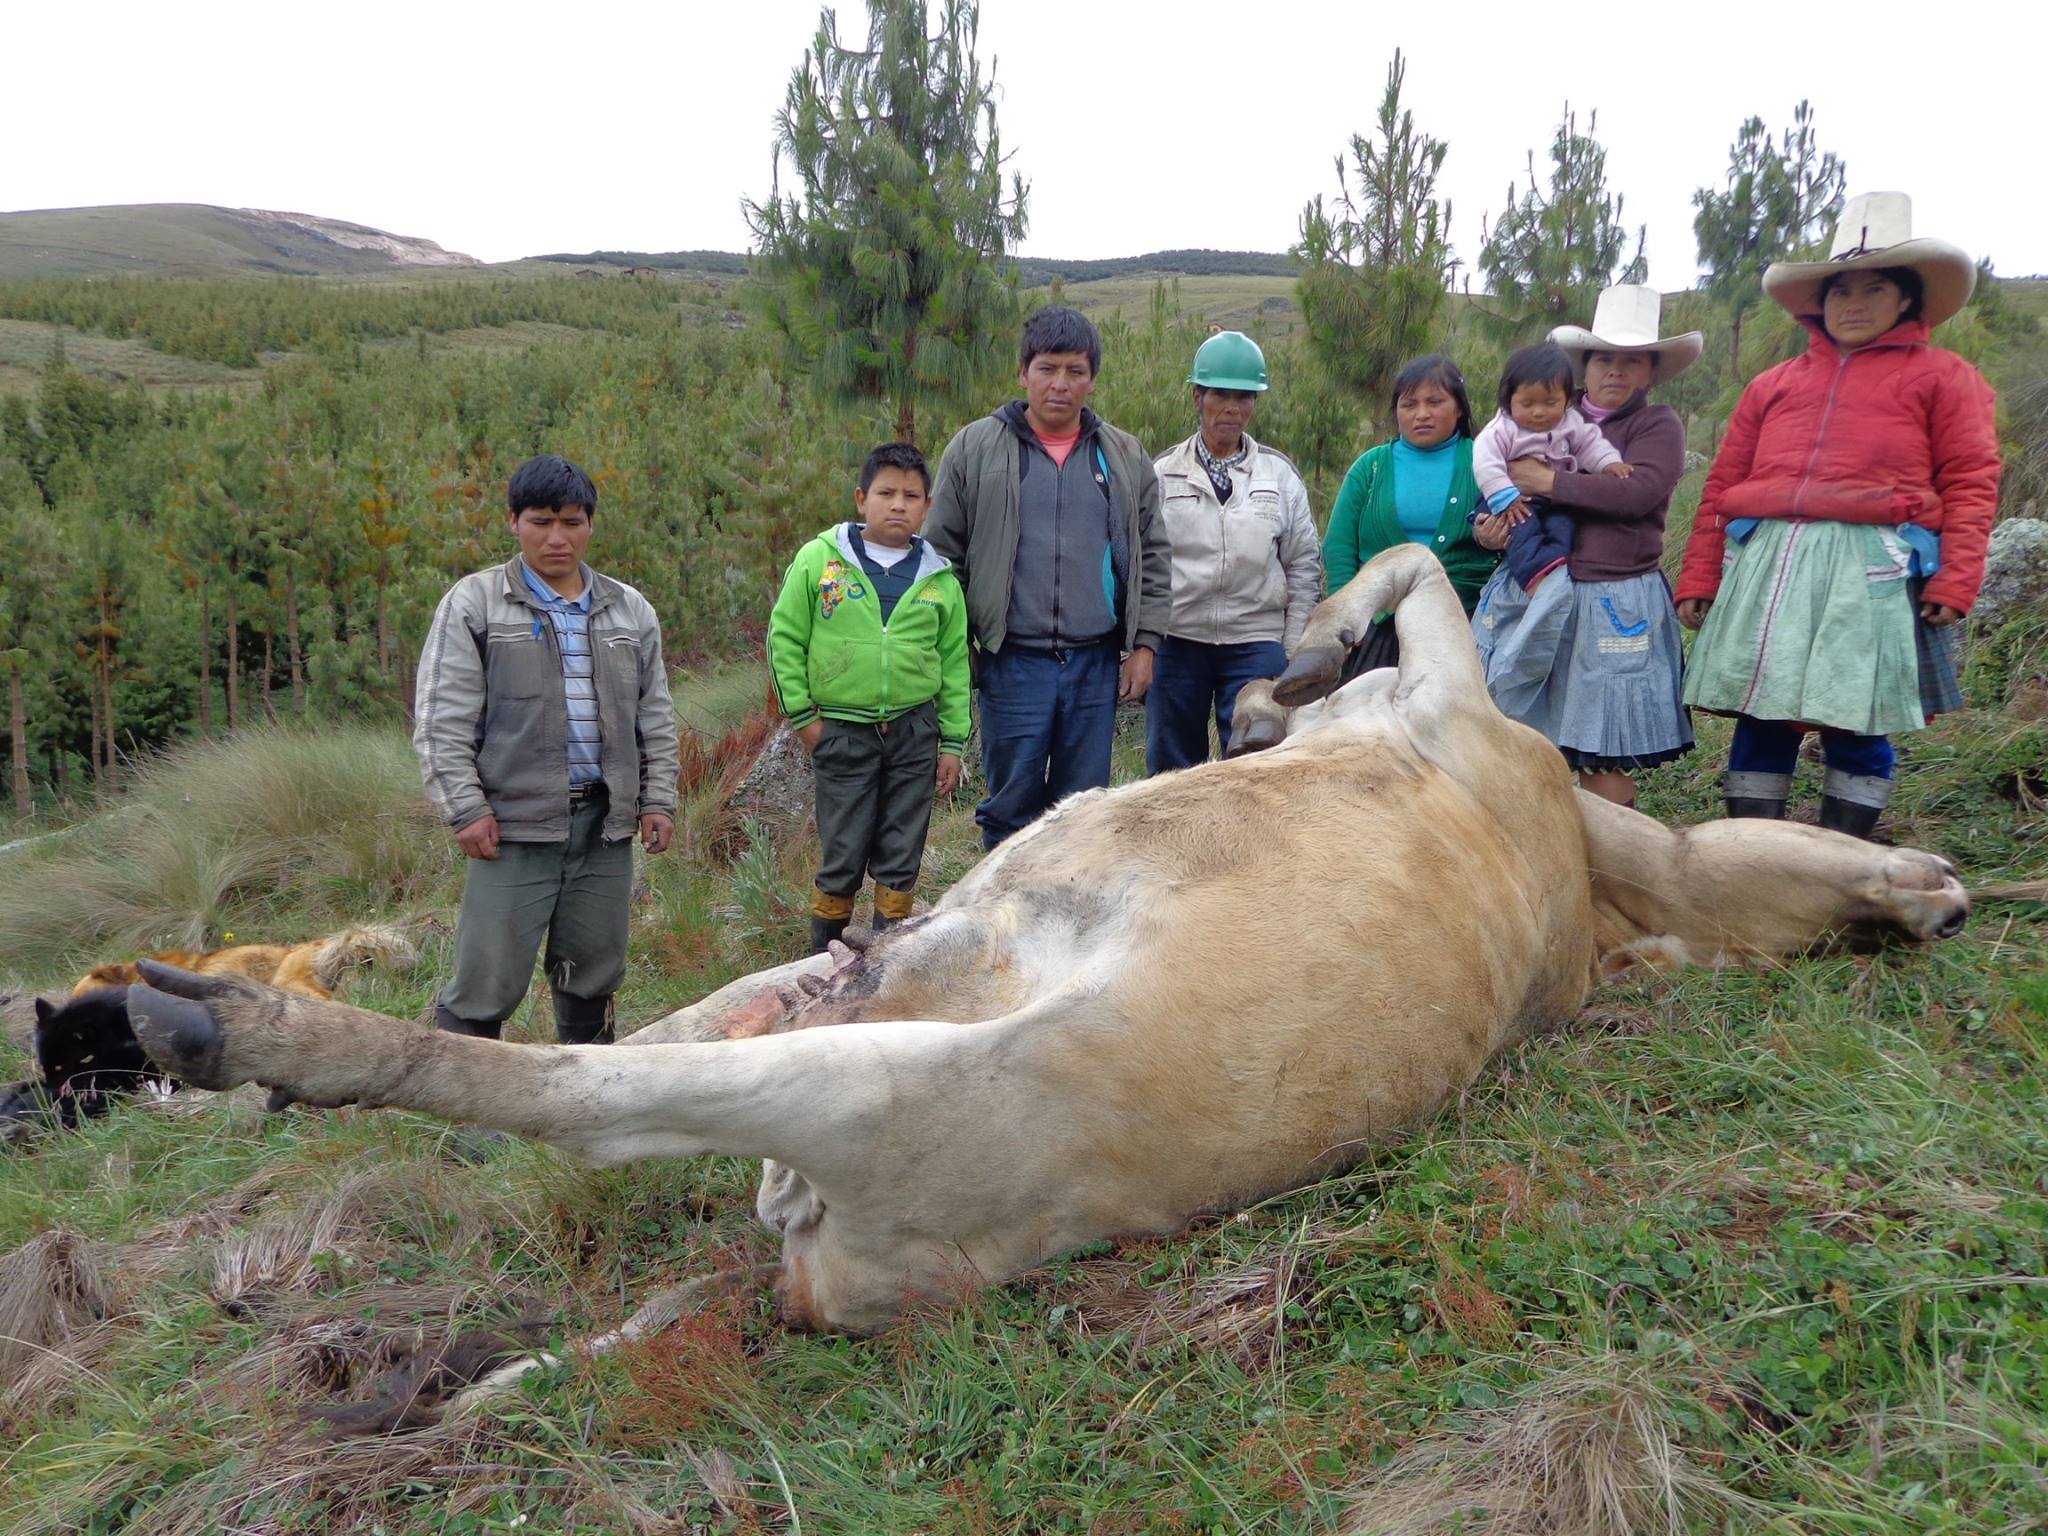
x=1050, y=516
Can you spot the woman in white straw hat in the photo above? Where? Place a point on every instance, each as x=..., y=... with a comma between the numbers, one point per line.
x=1595, y=662
x=1843, y=528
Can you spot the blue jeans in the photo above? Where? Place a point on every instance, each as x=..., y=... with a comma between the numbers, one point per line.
x=1764, y=752
x=1189, y=680
x=1047, y=720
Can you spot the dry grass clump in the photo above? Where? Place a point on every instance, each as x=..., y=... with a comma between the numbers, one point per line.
x=355, y=1222
x=56, y=1293
x=1587, y=1452
x=1242, y=1313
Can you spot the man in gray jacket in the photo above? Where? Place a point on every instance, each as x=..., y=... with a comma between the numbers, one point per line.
x=545, y=736
x=1050, y=517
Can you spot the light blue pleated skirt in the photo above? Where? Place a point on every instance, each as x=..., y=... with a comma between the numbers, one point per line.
x=1596, y=666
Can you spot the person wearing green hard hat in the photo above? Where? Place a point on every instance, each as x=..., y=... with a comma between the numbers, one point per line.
x=1247, y=566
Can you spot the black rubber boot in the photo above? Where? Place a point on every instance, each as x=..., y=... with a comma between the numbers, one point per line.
x=448, y=1023
x=583, y=1020
x=824, y=930
x=1839, y=815
x=1761, y=810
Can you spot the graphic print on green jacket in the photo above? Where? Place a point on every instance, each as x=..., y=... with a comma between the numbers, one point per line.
x=831, y=654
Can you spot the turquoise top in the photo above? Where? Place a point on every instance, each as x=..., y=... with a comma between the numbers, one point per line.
x=1422, y=479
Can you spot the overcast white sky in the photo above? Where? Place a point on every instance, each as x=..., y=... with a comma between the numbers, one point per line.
x=513, y=129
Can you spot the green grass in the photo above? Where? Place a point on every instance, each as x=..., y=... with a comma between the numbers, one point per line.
x=25, y=349
x=1771, y=1240
x=1237, y=303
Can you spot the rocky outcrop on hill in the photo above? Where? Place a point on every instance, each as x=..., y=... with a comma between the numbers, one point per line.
x=402, y=250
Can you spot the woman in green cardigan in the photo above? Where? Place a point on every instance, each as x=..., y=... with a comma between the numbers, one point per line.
x=1419, y=487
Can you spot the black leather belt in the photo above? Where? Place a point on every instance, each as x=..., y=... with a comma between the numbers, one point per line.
x=585, y=791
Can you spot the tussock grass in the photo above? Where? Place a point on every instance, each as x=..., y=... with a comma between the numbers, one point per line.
x=1591, y=1450
x=275, y=829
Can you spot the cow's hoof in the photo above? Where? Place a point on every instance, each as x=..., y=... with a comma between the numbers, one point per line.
x=1254, y=736
x=181, y=1036
x=1311, y=674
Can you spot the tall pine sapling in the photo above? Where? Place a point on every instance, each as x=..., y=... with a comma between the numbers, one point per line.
x=1375, y=268
x=1557, y=245
x=884, y=273
x=1778, y=202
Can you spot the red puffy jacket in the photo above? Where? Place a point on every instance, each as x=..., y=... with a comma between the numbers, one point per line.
x=1895, y=432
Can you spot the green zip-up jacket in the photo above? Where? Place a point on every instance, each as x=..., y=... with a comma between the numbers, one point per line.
x=1363, y=522
x=832, y=655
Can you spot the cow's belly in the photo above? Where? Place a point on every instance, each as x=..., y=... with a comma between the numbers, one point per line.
x=1350, y=935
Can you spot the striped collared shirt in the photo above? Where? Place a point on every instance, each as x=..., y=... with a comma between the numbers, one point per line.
x=571, y=620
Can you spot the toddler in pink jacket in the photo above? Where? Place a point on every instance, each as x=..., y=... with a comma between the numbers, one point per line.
x=1537, y=421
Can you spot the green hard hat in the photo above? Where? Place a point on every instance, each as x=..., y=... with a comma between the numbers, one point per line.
x=1230, y=360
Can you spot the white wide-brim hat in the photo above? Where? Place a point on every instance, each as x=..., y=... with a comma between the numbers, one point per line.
x=1625, y=319
x=1876, y=230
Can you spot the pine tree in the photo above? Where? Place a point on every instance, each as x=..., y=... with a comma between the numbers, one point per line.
x=1779, y=202
x=884, y=275
x=1374, y=269
x=1550, y=253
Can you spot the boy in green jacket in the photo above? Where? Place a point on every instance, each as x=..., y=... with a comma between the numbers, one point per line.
x=868, y=646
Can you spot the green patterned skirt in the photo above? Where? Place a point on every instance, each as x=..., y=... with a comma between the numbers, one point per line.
x=1815, y=623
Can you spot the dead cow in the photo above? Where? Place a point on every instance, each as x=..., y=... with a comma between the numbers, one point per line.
x=1180, y=996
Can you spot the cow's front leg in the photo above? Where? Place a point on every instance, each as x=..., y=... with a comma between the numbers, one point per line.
x=1257, y=720
x=219, y=1032
x=1407, y=581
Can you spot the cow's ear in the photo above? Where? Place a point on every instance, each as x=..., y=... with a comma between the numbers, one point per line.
x=44, y=1012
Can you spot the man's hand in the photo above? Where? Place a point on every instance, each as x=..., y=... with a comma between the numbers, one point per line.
x=1532, y=477
x=479, y=840
x=1692, y=611
x=949, y=773
x=1135, y=676
x=657, y=830
x=1940, y=615
x=812, y=734
x=1490, y=531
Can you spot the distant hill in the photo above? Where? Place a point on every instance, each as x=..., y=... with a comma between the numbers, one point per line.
x=197, y=238
x=1032, y=271
x=1039, y=271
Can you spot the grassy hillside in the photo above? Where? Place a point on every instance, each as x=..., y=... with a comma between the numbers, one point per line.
x=1756, y=1251
x=181, y=238
x=1232, y=301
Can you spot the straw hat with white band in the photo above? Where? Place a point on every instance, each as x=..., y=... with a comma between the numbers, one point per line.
x=1876, y=230
x=1625, y=319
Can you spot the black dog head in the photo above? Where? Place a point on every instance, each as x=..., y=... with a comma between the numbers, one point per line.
x=88, y=1053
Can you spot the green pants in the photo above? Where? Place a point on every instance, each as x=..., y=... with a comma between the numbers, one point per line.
x=874, y=788
x=576, y=895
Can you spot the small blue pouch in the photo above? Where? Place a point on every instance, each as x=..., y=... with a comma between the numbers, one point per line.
x=1740, y=530
x=1925, y=544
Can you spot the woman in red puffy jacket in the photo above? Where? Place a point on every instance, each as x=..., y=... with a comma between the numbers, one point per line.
x=1843, y=527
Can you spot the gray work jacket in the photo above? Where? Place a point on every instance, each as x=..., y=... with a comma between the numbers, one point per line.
x=491, y=719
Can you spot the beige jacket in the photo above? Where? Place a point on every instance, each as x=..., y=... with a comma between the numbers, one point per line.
x=1247, y=571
